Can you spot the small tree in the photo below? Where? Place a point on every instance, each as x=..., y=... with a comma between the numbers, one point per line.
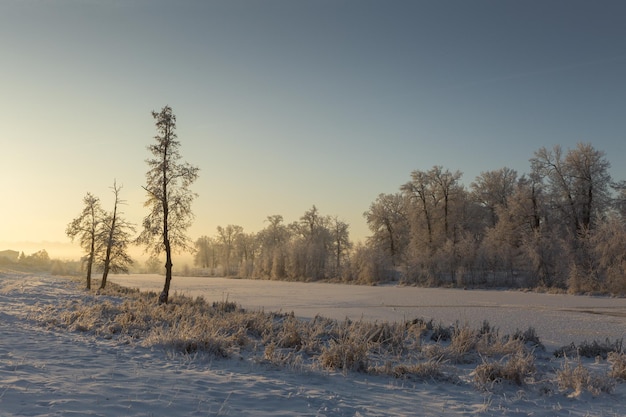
x=85, y=228
x=115, y=238
x=168, y=195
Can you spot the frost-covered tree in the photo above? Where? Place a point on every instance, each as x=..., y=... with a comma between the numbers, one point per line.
x=492, y=189
x=85, y=228
x=578, y=183
x=609, y=241
x=246, y=249
x=341, y=244
x=205, y=252
x=388, y=220
x=438, y=214
x=273, y=241
x=169, y=197
x=227, y=236
x=309, y=252
x=114, y=239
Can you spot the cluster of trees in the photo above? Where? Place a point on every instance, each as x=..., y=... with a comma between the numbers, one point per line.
x=562, y=225
x=105, y=236
x=38, y=261
x=314, y=247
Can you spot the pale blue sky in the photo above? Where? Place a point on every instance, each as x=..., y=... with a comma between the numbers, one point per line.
x=285, y=104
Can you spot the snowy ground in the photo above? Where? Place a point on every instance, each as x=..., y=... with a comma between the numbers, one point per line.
x=54, y=373
x=559, y=319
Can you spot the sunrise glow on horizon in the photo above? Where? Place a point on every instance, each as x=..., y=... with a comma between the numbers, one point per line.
x=284, y=105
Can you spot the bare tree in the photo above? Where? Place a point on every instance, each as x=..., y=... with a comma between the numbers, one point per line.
x=387, y=218
x=492, y=189
x=116, y=236
x=578, y=183
x=341, y=241
x=205, y=256
x=420, y=190
x=168, y=195
x=273, y=248
x=227, y=237
x=85, y=227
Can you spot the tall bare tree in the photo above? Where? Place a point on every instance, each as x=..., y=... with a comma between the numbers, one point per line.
x=85, y=227
x=341, y=241
x=116, y=236
x=168, y=195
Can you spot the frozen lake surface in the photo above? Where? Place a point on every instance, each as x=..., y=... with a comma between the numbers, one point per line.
x=558, y=319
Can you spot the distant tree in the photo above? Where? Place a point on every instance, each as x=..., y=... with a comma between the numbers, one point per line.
x=205, y=252
x=115, y=238
x=227, y=237
x=85, y=228
x=447, y=187
x=247, y=248
x=609, y=241
x=492, y=189
x=420, y=191
x=619, y=202
x=578, y=183
x=273, y=242
x=311, y=249
x=168, y=196
x=387, y=219
x=341, y=244
x=39, y=259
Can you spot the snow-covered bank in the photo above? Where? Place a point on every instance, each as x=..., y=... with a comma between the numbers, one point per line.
x=56, y=373
x=558, y=319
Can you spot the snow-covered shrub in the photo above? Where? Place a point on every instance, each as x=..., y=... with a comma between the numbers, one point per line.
x=618, y=365
x=515, y=368
x=579, y=379
x=590, y=349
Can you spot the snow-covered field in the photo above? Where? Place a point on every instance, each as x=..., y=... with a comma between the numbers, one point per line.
x=51, y=372
x=558, y=319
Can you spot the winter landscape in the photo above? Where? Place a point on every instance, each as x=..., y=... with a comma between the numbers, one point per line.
x=313, y=208
x=52, y=369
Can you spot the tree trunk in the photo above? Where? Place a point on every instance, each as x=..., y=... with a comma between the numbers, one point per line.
x=164, y=297
x=89, y=262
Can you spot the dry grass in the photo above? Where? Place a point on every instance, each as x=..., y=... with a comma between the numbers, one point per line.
x=578, y=379
x=592, y=349
x=618, y=365
x=415, y=350
x=516, y=368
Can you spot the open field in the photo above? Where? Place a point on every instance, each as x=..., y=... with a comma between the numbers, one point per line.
x=559, y=319
x=51, y=370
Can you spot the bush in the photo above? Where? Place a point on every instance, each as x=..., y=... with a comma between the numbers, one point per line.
x=515, y=368
x=590, y=350
x=347, y=354
x=579, y=379
x=618, y=365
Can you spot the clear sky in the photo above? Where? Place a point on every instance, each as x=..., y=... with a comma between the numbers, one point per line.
x=284, y=104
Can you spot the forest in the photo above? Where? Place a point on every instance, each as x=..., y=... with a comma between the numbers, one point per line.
x=561, y=226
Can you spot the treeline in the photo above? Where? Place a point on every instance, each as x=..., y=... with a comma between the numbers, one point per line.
x=562, y=225
x=38, y=261
x=313, y=248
